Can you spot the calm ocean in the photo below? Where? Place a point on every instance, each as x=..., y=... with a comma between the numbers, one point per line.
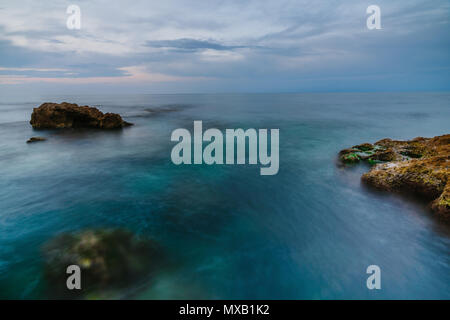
x=308, y=232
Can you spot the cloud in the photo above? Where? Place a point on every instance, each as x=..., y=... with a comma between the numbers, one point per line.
x=244, y=43
x=190, y=44
x=132, y=74
x=34, y=69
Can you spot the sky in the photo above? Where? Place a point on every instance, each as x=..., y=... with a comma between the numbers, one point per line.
x=174, y=46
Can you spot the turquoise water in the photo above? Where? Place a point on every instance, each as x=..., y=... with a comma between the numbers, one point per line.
x=308, y=232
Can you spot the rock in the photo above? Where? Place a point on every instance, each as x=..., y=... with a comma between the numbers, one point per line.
x=385, y=155
x=420, y=166
x=107, y=258
x=442, y=204
x=364, y=147
x=356, y=153
x=349, y=155
x=69, y=115
x=36, y=139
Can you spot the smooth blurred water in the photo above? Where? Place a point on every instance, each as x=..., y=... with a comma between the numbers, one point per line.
x=307, y=233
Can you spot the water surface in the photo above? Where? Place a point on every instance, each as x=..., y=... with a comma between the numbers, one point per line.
x=308, y=232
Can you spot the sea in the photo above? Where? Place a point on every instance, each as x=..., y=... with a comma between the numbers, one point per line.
x=308, y=232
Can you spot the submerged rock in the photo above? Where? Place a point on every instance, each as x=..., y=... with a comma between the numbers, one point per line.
x=420, y=166
x=36, y=139
x=107, y=258
x=70, y=115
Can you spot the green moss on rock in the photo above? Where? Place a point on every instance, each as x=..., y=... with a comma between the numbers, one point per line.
x=351, y=158
x=364, y=147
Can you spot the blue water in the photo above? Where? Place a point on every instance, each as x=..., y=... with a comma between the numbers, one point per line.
x=308, y=232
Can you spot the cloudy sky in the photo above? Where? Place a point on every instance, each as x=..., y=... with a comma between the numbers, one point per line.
x=171, y=46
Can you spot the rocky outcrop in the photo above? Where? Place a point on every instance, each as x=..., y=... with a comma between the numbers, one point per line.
x=36, y=139
x=69, y=115
x=420, y=166
x=108, y=258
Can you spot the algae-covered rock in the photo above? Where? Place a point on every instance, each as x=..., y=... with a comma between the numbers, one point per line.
x=385, y=155
x=442, y=204
x=70, y=115
x=350, y=156
x=364, y=147
x=420, y=166
x=108, y=258
x=372, y=153
x=356, y=153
